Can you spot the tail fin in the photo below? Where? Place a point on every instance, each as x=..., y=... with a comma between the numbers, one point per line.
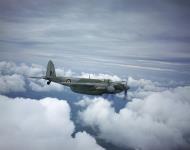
x=50, y=70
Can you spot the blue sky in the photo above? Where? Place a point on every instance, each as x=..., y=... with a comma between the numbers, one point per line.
x=145, y=42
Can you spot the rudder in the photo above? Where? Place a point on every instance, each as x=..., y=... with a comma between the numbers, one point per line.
x=50, y=70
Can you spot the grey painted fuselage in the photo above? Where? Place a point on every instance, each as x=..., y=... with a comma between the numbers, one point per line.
x=85, y=85
x=88, y=86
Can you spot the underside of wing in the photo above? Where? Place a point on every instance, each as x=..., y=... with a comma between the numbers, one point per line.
x=85, y=84
x=37, y=77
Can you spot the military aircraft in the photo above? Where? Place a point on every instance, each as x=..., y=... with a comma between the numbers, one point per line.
x=85, y=85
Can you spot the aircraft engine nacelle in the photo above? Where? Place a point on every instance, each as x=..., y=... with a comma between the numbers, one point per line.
x=48, y=82
x=111, y=89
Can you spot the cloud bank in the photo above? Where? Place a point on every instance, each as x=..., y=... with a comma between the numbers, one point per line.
x=14, y=76
x=12, y=83
x=41, y=125
x=156, y=117
x=159, y=121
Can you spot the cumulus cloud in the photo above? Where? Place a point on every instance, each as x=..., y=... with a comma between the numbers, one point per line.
x=100, y=76
x=158, y=121
x=21, y=69
x=24, y=71
x=40, y=124
x=41, y=86
x=12, y=83
x=140, y=88
x=13, y=75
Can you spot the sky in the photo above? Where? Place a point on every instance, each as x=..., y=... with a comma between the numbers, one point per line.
x=144, y=42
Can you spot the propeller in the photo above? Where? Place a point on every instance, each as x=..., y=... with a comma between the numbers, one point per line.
x=125, y=87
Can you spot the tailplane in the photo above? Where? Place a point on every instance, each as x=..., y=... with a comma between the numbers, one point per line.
x=50, y=73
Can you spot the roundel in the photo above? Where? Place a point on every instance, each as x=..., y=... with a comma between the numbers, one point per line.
x=68, y=80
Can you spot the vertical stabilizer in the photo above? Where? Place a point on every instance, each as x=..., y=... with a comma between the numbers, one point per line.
x=50, y=73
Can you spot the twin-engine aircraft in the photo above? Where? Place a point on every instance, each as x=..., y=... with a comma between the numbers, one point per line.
x=85, y=85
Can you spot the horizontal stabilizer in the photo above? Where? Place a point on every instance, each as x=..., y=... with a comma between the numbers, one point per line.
x=38, y=77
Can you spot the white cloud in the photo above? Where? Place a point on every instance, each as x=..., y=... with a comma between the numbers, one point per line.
x=100, y=76
x=84, y=102
x=10, y=68
x=11, y=83
x=62, y=72
x=41, y=85
x=23, y=70
x=158, y=121
x=141, y=88
x=9, y=72
x=41, y=125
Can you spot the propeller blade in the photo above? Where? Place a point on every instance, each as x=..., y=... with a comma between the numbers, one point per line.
x=126, y=87
x=125, y=92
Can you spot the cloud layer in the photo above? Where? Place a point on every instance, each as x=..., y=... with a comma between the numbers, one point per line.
x=122, y=36
x=13, y=77
x=158, y=121
x=144, y=39
x=41, y=125
x=156, y=116
x=12, y=83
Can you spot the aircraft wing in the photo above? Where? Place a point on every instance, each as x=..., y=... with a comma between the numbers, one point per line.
x=95, y=85
x=37, y=77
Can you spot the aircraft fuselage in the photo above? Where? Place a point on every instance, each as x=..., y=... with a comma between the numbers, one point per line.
x=75, y=86
x=85, y=85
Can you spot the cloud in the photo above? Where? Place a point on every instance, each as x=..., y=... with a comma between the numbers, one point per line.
x=12, y=83
x=157, y=121
x=140, y=88
x=114, y=31
x=9, y=68
x=40, y=124
x=13, y=77
x=100, y=76
x=41, y=85
x=24, y=71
